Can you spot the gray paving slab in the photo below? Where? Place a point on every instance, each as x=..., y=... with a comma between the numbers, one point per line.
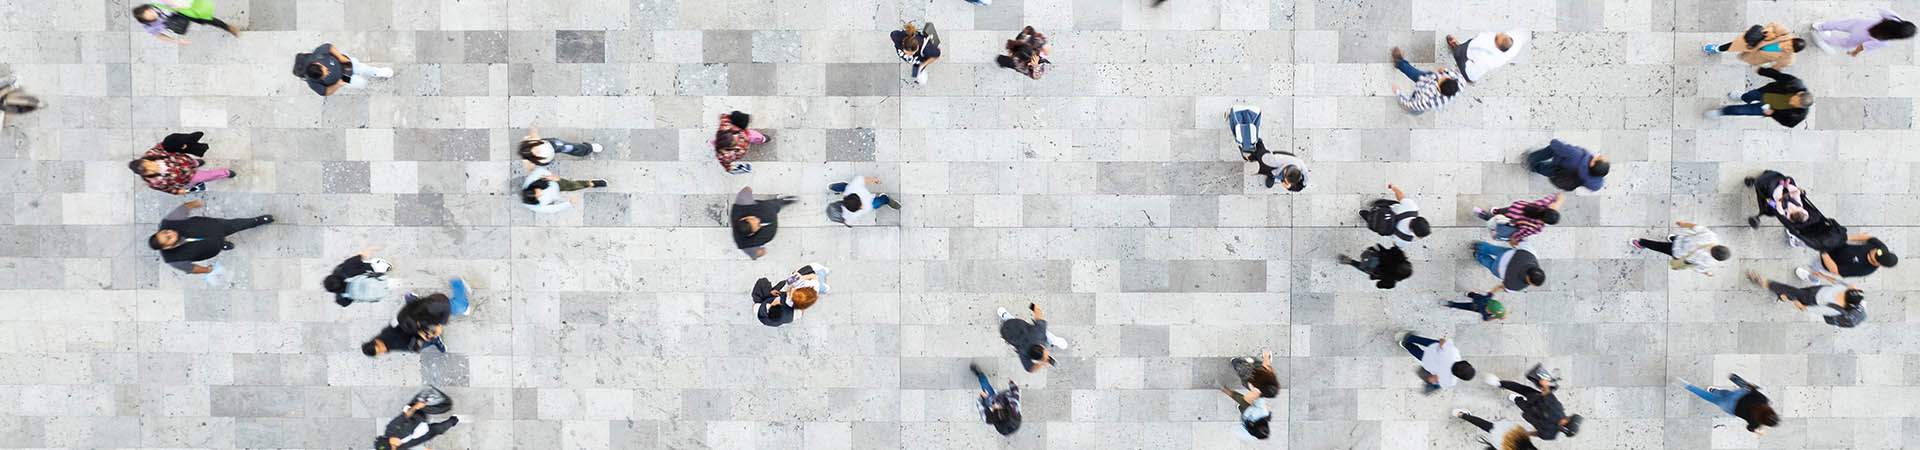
x=1108, y=192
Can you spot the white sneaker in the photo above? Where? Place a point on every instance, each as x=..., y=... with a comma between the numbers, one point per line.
x=1055, y=341
x=1794, y=241
x=1493, y=380
x=1713, y=114
x=1735, y=95
x=922, y=77
x=1804, y=274
x=1513, y=397
x=1002, y=312
x=595, y=147
x=1457, y=412
x=1819, y=38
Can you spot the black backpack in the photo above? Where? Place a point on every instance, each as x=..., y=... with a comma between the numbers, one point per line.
x=1848, y=318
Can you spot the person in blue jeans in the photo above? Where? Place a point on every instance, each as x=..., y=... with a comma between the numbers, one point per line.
x=1431, y=90
x=431, y=313
x=856, y=200
x=1516, y=266
x=1746, y=402
x=1000, y=409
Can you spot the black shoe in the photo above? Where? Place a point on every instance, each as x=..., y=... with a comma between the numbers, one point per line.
x=451, y=421
x=266, y=219
x=599, y=183
x=226, y=246
x=233, y=173
x=975, y=368
x=1741, y=382
x=1345, y=260
x=1269, y=182
x=1363, y=215
x=1753, y=222
x=197, y=187
x=1748, y=181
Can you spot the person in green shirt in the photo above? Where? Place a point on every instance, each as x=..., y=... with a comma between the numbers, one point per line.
x=154, y=17
x=1785, y=100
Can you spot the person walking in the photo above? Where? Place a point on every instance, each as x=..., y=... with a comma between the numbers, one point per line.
x=1398, y=219
x=1777, y=195
x=537, y=152
x=1255, y=419
x=1695, y=247
x=1861, y=34
x=755, y=221
x=1570, y=168
x=1516, y=438
x=434, y=311
x=1431, y=90
x=1516, y=266
x=361, y=278
x=1257, y=374
x=1001, y=409
x=731, y=141
x=1759, y=46
x=394, y=339
x=1031, y=341
x=917, y=46
x=1746, y=402
x=173, y=165
x=1853, y=259
x=1440, y=363
x=1540, y=408
x=1027, y=53
x=1479, y=55
x=541, y=190
x=1834, y=301
x=1278, y=167
x=1786, y=100
x=856, y=200
x=183, y=241
x=1383, y=264
x=1522, y=219
x=327, y=70
x=411, y=429
x=158, y=17
x=1484, y=304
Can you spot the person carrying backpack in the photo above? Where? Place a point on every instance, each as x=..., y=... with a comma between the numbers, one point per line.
x=359, y=279
x=1835, y=302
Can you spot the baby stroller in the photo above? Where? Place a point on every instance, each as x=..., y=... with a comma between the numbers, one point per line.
x=1817, y=231
x=1244, y=122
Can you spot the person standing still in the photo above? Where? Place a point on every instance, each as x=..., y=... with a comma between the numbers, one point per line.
x=1695, y=247
x=1031, y=340
x=1485, y=52
x=1862, y=34
x=1398, y=218
x=327, y=70
x=1431, y=90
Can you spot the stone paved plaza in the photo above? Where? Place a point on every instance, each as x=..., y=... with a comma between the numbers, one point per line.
x=1108, y=192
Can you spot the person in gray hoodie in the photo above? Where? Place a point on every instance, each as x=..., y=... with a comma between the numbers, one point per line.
x=361, y=278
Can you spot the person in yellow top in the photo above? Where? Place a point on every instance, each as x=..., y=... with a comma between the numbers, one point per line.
x=1759, y=46
x=158, y=17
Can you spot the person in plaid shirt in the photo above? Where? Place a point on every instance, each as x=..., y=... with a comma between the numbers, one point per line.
x=731, y=142
x=1002, y=409
x=171, y=166
x=1431, y=90
x=1527, y=218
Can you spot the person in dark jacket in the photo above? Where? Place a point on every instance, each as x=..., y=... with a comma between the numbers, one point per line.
x=1540, y=408
x=755, y=221
x=1386, y=265
x=1001, y=409
x=1258, y=374
x=1785, y=99
x=1398, y=218
x=184, y=240
x=1484, y=304
x=770, y=303
x=1746, y=402
x=432, y=311
x=1570, y=168
x=361, y=278
x=411, y=429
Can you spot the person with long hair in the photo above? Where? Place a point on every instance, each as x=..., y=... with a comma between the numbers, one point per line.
x=1386, y=265
x=1027, y=53
x=1745, y=402
x=917, y=46
x=1761, y=45
x=1000, y=409
x=535, y=151
x=1522, y=219
x=1862, y=34
x=731, y=141
x=173, y=165
x=1516, y=438
x=158, y=17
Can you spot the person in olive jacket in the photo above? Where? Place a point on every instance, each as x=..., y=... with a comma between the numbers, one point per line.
x=1785, y=100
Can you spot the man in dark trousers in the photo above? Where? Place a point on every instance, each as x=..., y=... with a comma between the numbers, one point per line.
x=410, y=429
x=770, y=303
x=755, y=221
x=184, y=240
x=1570, y=168
x=1541, y=408
x=1785, y=100
x=1398, y=218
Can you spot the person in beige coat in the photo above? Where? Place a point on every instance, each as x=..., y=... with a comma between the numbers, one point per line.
x=1773, y=43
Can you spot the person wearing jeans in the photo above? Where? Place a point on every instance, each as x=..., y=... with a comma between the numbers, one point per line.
x=857, y=201
x=432, y=312
x=1431, y=90
x=1746, y=402
x=1001, y=409
x=1516, y=267
x=1785, y=100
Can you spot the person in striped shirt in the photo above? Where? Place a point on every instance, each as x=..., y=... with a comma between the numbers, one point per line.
x=1526, y=217
x=1431, y=90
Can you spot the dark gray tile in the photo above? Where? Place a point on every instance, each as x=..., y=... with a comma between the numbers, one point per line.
x=727, y=46
x=345, y=177
x=417, y=144
x=850, y=144
x=869, y=79
x=580, y=46
x=1837, y=114
x=744, y=79
x=421, y=210
x=701, y=80
x=488, y=47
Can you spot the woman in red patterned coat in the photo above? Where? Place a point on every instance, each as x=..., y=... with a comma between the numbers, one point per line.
x=173, y=165
x=731, y=142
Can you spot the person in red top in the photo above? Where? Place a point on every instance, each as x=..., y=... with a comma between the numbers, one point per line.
x=173, y=165
x=731, y=142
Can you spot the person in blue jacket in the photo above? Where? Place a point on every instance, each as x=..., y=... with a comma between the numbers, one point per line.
x=1570, y=168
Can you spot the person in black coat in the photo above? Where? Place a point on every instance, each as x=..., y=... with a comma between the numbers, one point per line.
x=1785, y=99
x=411, y=429
x=184, y=240
x=1386, y=265
x=770, y=303
x=755, y=221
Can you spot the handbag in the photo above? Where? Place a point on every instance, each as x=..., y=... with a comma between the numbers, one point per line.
x=436, y=402
x=1681, y=262
x=1754, y=35
x=177, y=23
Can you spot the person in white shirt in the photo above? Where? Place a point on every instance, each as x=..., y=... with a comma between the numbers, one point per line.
x=857, y=201
x=1255, y=418
x=541, y=190
x=1695, y=247
x=1398, y=219
x=1480, y=55
x=1439, y=359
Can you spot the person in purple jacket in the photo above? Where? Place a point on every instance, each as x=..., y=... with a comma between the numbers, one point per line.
x=1862, y=34
x=1570, y=168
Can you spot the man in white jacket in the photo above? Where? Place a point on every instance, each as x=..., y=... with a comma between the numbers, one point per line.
x=857, y=201
x=1481, y=54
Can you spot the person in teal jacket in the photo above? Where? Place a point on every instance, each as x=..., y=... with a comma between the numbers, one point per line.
x=154, y=17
